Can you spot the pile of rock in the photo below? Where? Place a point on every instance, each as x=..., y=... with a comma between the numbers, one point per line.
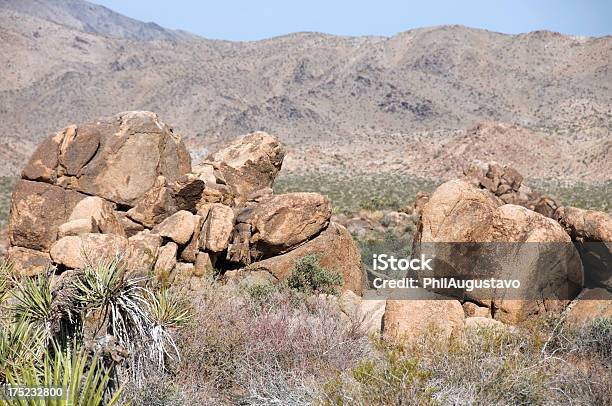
x=466, y=211
x=125, y=185
x=506, y=183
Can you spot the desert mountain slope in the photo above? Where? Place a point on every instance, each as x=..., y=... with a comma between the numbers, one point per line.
x=336, y=100
x=91, y=18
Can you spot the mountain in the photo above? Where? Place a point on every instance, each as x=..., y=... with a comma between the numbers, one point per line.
x=400, y=104
x=91, y=18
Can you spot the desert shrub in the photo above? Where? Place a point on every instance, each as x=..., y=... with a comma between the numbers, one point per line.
x=350, y=192
x=308, y=276
x=278, y=350
x=596, y=337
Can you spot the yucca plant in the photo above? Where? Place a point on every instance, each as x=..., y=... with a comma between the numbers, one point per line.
x=21, y=344
x=33, y=301
x=167, y=311
x=6, y=270
x=86, y=381
x=122, y=301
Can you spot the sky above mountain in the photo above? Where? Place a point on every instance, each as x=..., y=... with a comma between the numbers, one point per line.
x=253, y=20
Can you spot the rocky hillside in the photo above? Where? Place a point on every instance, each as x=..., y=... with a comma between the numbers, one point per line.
x=374, y=104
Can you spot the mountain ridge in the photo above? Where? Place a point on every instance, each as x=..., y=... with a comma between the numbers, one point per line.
x=333, y=94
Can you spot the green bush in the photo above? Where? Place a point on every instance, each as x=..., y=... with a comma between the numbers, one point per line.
x=308, y=276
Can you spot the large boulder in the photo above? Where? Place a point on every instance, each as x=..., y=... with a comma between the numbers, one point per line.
x=37, y=211
x=456, y=212
x=336, y=251
x=28, y=262
x=178, y=227
x=101, y=212
x=117, y=158
x=246, y=165
x=585, y=225
x=217, y=227
x=410, y=320
x=76, y=252
x=471, y=236
x=284, y=221
x=589, y=305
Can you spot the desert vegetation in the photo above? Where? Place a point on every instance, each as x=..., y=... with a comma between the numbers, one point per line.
x=87, y=331
x=252, y=342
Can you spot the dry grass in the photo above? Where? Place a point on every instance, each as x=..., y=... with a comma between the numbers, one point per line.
x=256, y=344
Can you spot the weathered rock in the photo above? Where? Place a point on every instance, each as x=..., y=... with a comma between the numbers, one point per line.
x=590, y=304
x=166, y=261
x=456, y=212
x=411, y=319
x=239, y=250
x=203, y=264
x=130, y=227
x=155, y=206
x=178, y=227
x=503, y=242
x=585, y=225
x=143, y=251
x=190, y=251
x=260, y=195
x=284, y=221
x=101, y=211
x=78, y=226
x=28, y=262
x=99, y=158
x=43, y=163
x=592, y=232
x=473, y=310
x=187, y=192
x=217, y=228
x=248, y=164
x=37, y=211
x=78, y=251
x=336, y=250
x=546, y=206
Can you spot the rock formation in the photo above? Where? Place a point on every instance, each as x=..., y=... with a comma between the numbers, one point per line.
x=488, y=224
x=124, y=185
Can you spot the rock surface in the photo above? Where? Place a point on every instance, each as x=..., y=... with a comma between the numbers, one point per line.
x=491, y=240
x=248, y=164
x=98, y=158
x=178, y=227
x=76, y=252
x=28, y=262
x=37, y=211
x=336, y=250
x=412, y=319
x=585, y=225
x=284, y=221
x=101, y=212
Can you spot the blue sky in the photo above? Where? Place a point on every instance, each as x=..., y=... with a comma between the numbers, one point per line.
x=253, y=20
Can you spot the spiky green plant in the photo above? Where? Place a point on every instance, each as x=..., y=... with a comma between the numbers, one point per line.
x=86, y=380
x=121, y=300
x=167, y=311
x=21, y=343
x=6, y=270
x=33, y=301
